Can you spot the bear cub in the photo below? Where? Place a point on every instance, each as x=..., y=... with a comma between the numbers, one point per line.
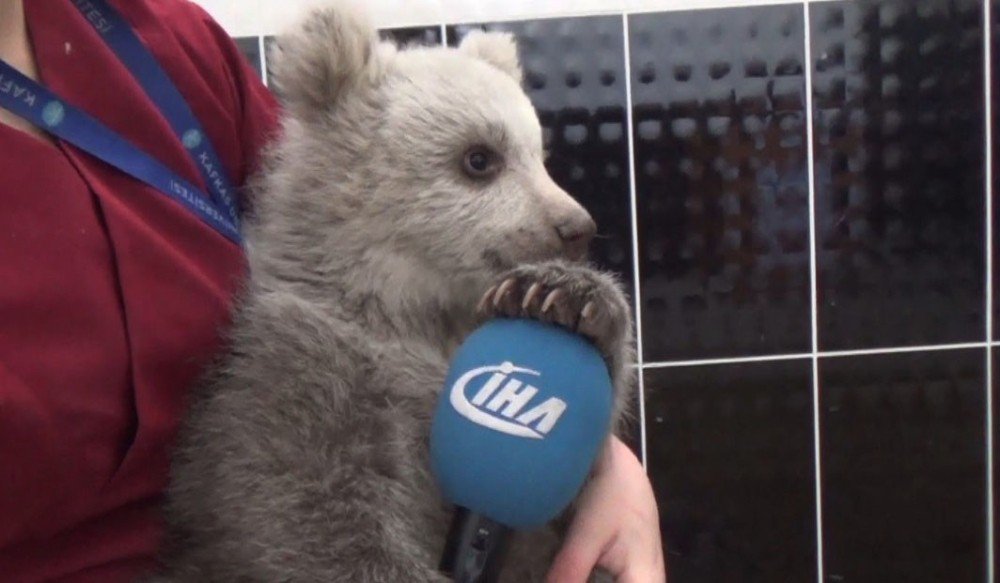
x=405, y=201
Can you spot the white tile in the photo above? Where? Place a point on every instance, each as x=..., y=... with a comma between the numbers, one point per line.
x=251, y=17
x=673, y=5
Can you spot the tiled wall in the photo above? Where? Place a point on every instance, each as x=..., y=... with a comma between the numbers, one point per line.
x=797, y=193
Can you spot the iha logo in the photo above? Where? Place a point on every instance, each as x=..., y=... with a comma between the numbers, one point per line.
x=500, y=401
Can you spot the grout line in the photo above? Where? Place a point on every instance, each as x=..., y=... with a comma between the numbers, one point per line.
x=263, y=58
x=819, y=355
x=811, y=178
x=734, y=360
x=635, y=235
x=987, y=92
x=902, y=349
x=813, y=286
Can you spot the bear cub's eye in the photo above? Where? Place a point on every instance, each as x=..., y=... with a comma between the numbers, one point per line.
x=480, y=162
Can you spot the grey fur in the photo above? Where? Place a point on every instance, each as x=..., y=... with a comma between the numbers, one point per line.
x=304, y=455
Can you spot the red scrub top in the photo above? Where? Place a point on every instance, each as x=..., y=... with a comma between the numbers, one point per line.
x=112, y=296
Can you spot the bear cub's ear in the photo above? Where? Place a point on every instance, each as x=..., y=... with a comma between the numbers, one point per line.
x=496, y=48
x=333, y=49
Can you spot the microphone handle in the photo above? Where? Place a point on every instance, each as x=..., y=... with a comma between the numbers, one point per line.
x=475, y=548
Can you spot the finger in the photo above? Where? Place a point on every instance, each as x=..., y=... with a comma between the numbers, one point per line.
x=591, y=531
x=579, y=555
x=615, y=525
x=636, y=556
x=572, y=565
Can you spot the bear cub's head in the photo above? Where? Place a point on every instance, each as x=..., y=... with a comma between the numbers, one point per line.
x=429, y=155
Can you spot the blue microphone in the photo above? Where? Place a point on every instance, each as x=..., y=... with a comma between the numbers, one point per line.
x=524, y=411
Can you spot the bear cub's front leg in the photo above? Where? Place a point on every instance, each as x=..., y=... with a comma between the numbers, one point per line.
x=591, y=303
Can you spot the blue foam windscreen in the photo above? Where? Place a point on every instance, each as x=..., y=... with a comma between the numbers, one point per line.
x=523, y=413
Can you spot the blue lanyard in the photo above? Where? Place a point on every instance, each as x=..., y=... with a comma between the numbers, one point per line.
x=120, y=37
x=35, y=103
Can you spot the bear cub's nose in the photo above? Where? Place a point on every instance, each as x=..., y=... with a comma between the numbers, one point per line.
x=575, y=233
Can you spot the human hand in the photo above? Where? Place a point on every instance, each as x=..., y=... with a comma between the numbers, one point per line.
x=616, y=525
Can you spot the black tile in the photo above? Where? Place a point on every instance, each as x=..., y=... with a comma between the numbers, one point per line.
x=899, y=117
x=995, y=358
x=730, y=453
x=722, y=183
x=995, y=187
x=250, y=47
x=903, y=465
x=428, y=36
x=574, y=73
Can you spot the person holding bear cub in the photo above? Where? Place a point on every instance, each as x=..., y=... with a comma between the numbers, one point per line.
x=114, y=297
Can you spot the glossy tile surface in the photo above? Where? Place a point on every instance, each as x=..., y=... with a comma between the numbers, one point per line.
x=995, y=187
x=416, y=35
x=903, y=465
x=574, y=73
x=899, y=126
x=250, y=47
x=995, y=358
x=730, y=454
x=721, y=180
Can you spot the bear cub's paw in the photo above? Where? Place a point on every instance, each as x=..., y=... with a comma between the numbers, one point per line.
x=574, y=296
